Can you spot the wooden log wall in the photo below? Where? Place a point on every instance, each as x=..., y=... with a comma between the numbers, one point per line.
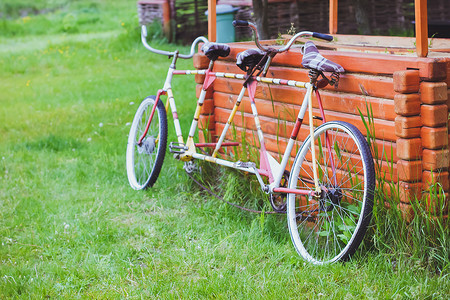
x=407, y=95
x=384, y=17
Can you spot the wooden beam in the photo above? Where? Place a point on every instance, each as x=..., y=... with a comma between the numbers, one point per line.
x=333, y=18
x=212, y=20
x=421, y=27
x=166, y=20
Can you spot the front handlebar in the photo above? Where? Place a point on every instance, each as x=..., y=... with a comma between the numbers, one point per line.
x=173, y=53
x=240, y=23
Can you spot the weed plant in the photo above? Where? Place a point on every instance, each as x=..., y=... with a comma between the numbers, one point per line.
x=414, y=243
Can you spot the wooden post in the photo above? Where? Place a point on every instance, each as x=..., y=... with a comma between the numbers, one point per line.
x=212, y=20
x=421, y=27
x=166, y=19
x=333, y=18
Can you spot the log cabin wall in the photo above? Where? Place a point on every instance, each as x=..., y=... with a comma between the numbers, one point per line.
x=384, y=17
x=407, y=95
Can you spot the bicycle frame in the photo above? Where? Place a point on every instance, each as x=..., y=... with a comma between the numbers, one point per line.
x=328, y=193
x=269, y=167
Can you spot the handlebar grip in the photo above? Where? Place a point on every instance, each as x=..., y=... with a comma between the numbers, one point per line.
x=322, y=36
x=240, y=23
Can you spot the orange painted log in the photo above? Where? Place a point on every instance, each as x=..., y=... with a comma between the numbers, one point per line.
x=385, y=149
x=276, y=146
x=430, y=178
x=434, y=138
x=447, y=80
x=407, y=104
x=345, y=103
x=375, y=86
x=209, y=91
x=206, y=122
x=199, y=78
x=409, y=149
x=433, y=92
x=206, y=136
x=448, y=95
x=409, y=171
x=200, y=61
x=435, y=159
x=436, y=204
x=407, y=211
x=434, y=115
x=409, y=191
x=406, y=81
x=383, y=129
x=408, y=127
x=432, y=69
x=207, y=107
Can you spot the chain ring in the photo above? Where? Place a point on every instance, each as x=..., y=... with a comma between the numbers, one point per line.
x=278, y=201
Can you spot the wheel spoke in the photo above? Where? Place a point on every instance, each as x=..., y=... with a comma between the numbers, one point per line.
x=144, y=161
x=327, y=227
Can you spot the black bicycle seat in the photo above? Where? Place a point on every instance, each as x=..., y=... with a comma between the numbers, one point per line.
x=248, y=59
x=214, y=50
x=312, y=59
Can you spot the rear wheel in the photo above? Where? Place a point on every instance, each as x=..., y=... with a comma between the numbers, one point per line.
x=145, y=159
x=330, y=226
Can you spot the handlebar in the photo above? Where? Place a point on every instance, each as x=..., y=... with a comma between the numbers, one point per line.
x=240, y=23
x=173, y=53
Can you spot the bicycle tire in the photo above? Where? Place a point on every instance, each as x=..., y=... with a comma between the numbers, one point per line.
x=330, y=228
x=144, y=161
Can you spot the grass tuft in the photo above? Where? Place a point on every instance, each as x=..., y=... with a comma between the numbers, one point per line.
x=421, y=243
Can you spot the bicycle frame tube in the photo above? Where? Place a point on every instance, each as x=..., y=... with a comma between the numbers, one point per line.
x=160, y=92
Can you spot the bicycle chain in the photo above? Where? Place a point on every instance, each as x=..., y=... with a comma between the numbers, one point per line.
x=231, y=203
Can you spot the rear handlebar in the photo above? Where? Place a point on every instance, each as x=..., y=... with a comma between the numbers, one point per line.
x=168, y=53
x=240, y=23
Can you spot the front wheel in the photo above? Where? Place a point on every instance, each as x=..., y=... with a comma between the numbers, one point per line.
x=330, y=225
x=145, y=158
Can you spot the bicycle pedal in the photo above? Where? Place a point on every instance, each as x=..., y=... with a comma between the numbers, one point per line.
x=178, y=148
x=191, y=167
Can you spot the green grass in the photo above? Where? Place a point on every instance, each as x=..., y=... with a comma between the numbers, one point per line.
x=70, y=225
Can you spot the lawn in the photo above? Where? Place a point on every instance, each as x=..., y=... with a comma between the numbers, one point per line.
x=72, y=75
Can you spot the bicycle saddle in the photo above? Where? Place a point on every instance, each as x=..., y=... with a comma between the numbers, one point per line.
x=214, y=50
x=312, y=59
x=247, y=59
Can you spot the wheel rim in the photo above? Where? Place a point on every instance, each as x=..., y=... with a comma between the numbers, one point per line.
x=143, y=156
x=328, y=228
